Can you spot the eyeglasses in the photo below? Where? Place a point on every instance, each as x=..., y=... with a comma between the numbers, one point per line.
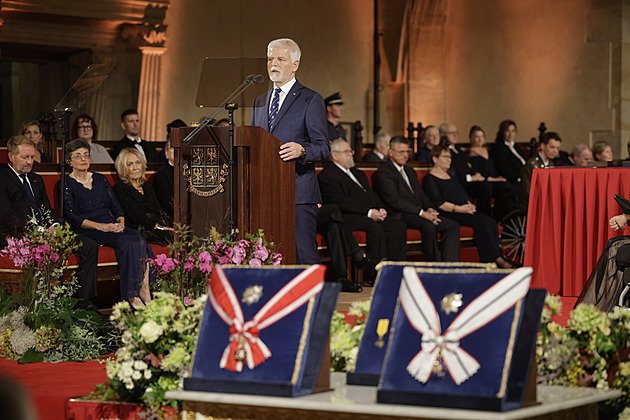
x=350, y=151
x=85, y=127
x=80, y=156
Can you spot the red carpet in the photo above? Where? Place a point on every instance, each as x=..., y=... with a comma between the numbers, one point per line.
x=51, y=384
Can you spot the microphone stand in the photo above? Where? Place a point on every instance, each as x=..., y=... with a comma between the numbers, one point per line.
x=231, y=107
x=249, y=80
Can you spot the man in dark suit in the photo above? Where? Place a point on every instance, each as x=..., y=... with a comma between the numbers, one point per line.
x=400, y=190
x=23, y=196
x=381, y=147
x=296, y=116
x=164, y=181
x=130, y=123
x=348, y=187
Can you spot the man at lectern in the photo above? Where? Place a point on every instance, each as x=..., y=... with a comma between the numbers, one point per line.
x=296, y=116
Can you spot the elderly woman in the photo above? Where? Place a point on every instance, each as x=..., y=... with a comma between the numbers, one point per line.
x=92, y=210
x=138, y=198
x=32, y=130
x=85, y=128
x=449, y=196
x=602, y=151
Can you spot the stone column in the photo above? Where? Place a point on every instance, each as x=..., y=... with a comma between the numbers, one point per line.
x=149, y=95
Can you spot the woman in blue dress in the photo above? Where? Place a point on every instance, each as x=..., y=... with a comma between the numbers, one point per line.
x=91, y=208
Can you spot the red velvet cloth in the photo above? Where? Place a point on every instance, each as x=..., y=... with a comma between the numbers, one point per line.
x=50, y=385
x=567, y=223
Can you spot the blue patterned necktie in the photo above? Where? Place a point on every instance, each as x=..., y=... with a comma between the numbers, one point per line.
x=30, y=198
x=273, y=110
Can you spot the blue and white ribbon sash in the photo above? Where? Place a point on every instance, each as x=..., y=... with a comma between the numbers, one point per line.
x=423, y=317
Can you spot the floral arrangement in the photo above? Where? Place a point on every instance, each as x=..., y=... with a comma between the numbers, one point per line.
x=191, y=258
x=42, y=254
x=40, y=322
x=158, y=344
x=592, y=351
x=345, y=336
x=49, y=332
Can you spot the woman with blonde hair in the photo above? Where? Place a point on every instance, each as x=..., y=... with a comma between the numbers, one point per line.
x=32, y=130
x=138, y=199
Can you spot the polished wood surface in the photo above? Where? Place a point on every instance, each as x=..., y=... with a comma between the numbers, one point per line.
x=263, y=186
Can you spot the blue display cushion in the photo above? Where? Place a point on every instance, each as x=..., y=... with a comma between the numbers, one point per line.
x=498, y=345
x=296, y=341
x=373, y=344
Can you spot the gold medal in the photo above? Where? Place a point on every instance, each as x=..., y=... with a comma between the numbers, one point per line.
x=381, y=329
x=240, y=353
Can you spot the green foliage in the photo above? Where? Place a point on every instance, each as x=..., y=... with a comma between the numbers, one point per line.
x=592, y=350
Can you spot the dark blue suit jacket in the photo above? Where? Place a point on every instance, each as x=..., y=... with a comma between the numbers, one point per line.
x=301, y=119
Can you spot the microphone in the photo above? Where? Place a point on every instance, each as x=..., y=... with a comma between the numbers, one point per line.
x=254, y=79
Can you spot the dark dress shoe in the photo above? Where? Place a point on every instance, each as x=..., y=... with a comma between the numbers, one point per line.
x=349, y=287
x=361, y=260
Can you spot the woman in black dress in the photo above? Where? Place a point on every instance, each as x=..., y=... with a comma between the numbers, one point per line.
x=449, y=196
x=138, y=199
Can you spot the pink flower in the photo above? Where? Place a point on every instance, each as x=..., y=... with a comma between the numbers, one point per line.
x=239, y=254
x=205, y=267
x=190, y=264
x=255, y=262
x=276, y=259
x=223, y=259
x=54, y=257
x=205, y=257
x=188, y=301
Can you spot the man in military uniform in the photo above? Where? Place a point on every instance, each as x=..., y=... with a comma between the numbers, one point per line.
x=549, y=150
x=334, y=109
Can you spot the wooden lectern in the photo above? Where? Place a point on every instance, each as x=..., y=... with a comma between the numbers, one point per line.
x=263, y=186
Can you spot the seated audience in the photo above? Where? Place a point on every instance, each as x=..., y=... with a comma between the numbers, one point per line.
x=506, y=154
x=430, y=139
x=606, y=281
x=503, y=192
x=473, y=182
x=32, y=130
x=92, y=210
x=548, y=151
x=381, y=146
x=19, y=205
x=580, y=155
x=348, y=187
x=85, y=128
x=451, y=198
x=602, y=152
x=138, y=199
x=400, y=191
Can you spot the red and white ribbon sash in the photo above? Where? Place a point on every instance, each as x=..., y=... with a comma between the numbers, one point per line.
x=224, y=301
x=423, y=316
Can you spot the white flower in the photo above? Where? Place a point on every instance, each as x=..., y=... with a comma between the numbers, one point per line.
x=136, y=375
x=139, y=365
x=147, y=374
x=150, y=331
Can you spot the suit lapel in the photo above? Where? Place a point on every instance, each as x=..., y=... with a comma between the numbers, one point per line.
x=288, y=101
